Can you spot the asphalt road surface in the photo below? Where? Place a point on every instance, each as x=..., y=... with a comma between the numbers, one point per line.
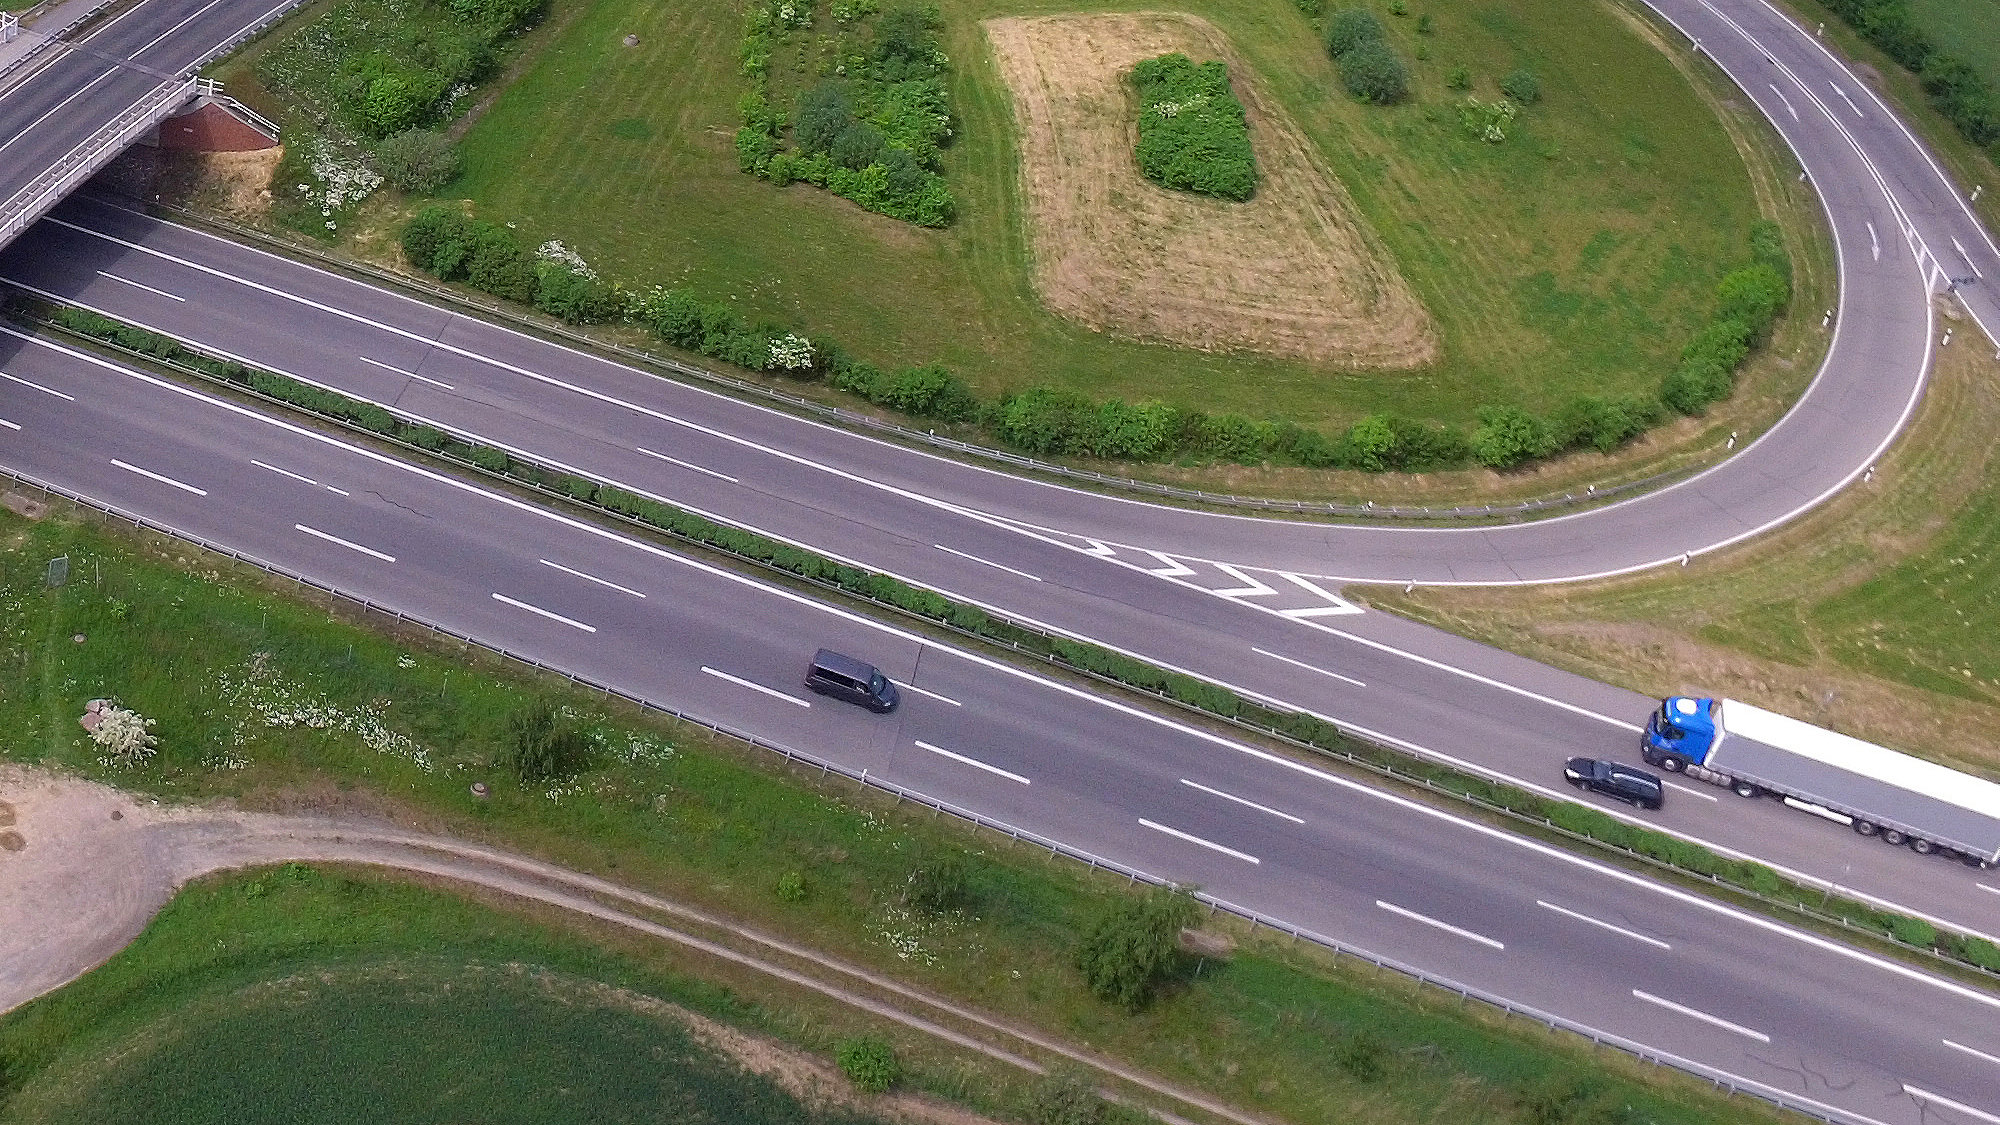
x=1606, y=948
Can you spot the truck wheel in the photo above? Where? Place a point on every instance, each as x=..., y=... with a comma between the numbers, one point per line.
x=1865, y=828
x=1745, y=789
x=1893, y=838
x=1673, y=763
x=1921, y=846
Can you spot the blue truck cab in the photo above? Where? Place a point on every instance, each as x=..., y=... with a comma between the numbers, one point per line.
x=1680, y=733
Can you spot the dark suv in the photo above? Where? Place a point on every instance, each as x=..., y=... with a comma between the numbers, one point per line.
x=1613, y=780
x=855, y=681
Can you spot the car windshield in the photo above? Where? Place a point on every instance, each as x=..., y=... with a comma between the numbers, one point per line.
x=878, y=685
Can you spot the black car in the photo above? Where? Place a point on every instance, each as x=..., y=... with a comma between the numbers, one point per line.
x=1613, y=780
x=843, y=677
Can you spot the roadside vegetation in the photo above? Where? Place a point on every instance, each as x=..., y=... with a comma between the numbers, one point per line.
x=1966, y=91
x=1192, y=132
x=275, y=701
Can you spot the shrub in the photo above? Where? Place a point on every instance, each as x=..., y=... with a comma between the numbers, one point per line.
x=1522, y=86
x=1192, y=131
x=1602, y=424
x=1362, y=1056
x=428, y=232
x=1424, y=24
x=125, y=736
x=1048, y=421
x=1460, y=78
x=939, y=885
x=499, y=265
x=820, y=115
x=392, y=105
x=754, y=150
x=1753, y=295
x=906, y=44
x=857, y=146
x=1136, y=946
x=573, y=296
x=544, y=743
x=869, y=1063
x=1507, y=436
x=417, y=160
x=1310, y=8
x=1373, y=74
x=1065, y=1096
x=1351, y=27
x=791, y=887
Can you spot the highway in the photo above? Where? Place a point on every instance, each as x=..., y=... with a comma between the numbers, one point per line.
x=1607, y=948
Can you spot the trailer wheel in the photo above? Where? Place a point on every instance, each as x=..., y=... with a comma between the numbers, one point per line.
x=1673, y=763
x=1865, y=828
x=1745, y=789
x=1893, y=838
x=1921, y=846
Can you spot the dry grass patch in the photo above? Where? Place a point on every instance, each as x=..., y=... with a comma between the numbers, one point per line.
x=1291, y=272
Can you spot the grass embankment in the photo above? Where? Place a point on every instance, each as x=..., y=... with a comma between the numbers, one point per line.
x=306, y=997
x=275, y=701
x=1578, y=256
x=1967, y=29
x=1876, y=614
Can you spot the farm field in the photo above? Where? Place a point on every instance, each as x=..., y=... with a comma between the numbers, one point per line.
x=1969, y=29
x=1577, y=256
x=1876, y=613
x=399, y=724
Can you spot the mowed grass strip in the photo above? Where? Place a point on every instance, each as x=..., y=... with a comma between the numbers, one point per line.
x=1576, y=257
x=276, y=702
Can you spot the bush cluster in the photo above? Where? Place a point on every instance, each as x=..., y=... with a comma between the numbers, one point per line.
x=872, y=133
x=1747, y=301
x=1300, y=727
x=1369, y=68
x=1192, y=132
x=869, y=1063
x=1130, y=951
x=1956, y=88
x=392, y=88
x=452, y=246
x=417, y=160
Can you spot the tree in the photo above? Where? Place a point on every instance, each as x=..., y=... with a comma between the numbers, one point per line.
x=544, y=743
x=1373, y=73
x=417, y=160
x=1351, y=27
x=869, y=1063
x=1133, y=948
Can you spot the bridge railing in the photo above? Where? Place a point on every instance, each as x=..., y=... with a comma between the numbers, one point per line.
x=94, y=152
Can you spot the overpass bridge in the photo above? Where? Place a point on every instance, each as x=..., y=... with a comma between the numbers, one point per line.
x=70, y=103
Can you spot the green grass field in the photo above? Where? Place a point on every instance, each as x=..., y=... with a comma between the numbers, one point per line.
x=1969, y=29
x=400, y=727
x=1578, y=256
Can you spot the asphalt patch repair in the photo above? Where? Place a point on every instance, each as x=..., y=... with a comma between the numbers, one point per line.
x=1291, y=272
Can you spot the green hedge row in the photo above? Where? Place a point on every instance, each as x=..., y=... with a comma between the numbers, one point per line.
x=1193, y=135
x=1958, y=90
x=1199, y=694
x=489, y=257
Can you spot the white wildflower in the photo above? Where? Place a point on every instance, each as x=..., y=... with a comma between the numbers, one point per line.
x=125, y=735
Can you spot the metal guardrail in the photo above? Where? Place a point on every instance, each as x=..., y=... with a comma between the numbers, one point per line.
x=42, y=37
x=854, y=419
x=1720, y=1079
x=96, y=150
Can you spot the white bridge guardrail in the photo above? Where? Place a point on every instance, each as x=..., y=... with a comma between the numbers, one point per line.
x=1720, y=1079
x=93, y=153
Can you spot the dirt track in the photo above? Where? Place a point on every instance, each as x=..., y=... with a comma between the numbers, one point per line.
x=1290, y=272
x=85, y=867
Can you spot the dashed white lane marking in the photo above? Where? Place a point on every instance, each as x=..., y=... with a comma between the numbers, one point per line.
x=592, y=578
x=10, y=425
x=975, y=763
x=986, y=562
x=1934, y=1099
x=147, y=288
x=1602, y=924
x=284, y=472
x=552, y=616
x=1988, y=887
x=1242, y=801
x=1447, y=927
x=687, y=465
x=316, y=533
x=739, y=681
x=925, y=691
x=1960, y=247
x=1973, y=1051
x=1692, y=792
x=1308, y=667
x=151, y=475
x=1191, y=838
x=411, y=374
x=1845, y=98
x=1696, y=1013
x=37, y=386
x=336, y=491
x=1786, y=100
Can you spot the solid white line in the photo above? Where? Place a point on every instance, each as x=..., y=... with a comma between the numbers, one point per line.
x=336, y=491
x=1549, y=852
x=411, y=374
x=1692, y=792
x=318, y=534
x=545, y=613
x=1975, y=1053
x=593, y=578
x=150, y=475
x=687, y=465
x=1447, y=927
x=1193, y=839
x=1927, y=1096
x=37, y=386
x=284, y=472
x=1241, y=801
x=973, y=762
x=741, y=682
x=1988, y=887
x=1702, y=1016
x=1600, y=923
x=923, y=691
x=986, y=562
x=1308, y=667
x=147, y=288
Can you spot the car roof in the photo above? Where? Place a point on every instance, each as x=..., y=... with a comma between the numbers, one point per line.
x=844, y=664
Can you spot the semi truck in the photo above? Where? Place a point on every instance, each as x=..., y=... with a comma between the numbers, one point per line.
x=1872, y=789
